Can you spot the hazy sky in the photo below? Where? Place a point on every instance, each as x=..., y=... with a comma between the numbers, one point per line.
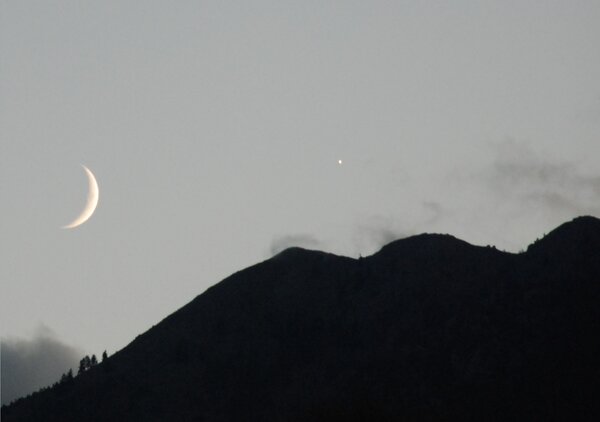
x=215, y=129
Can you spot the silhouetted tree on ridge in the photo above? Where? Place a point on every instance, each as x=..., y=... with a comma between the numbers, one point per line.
x=86, y=363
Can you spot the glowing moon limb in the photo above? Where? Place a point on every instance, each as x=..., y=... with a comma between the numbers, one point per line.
x=91, y=204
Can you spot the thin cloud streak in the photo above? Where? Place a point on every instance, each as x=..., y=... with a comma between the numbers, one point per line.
x=301, y=240
x=376, y=232
x=518, y=174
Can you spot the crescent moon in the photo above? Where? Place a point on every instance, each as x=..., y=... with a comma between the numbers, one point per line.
x=91, y=204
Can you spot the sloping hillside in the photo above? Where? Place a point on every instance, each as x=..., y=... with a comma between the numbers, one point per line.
x=429, y=328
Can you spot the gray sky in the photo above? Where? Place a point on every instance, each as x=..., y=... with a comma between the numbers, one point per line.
x=215, y=129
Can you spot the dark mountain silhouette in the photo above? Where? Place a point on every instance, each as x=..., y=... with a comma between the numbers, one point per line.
x=429, y=328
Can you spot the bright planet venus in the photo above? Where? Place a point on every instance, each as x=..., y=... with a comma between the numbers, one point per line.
x=91, y=203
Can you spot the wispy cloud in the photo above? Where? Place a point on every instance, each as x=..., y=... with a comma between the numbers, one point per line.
x=302, y=240
x=375, y=232
x=507, y=199
x=29, y=364
x=515, y=195
x=519, y=174
x=434, y=212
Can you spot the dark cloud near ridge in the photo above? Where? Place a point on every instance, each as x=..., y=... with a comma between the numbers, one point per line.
x=301, y=240
x=434, y=211
x=379, y=236
x=26, y=365
x=375, y=232
x=520, y=174
x=378, y=231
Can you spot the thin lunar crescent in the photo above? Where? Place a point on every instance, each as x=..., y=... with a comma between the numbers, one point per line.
x=92, y=201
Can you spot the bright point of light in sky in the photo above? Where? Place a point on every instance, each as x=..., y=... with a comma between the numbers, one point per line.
x=340, y=162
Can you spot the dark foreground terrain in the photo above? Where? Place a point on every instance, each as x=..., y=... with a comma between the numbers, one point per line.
x=429, y=328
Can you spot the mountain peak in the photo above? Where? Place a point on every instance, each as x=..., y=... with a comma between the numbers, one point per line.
x=580, y=235
x=422, y=244
x=580, y=224
x=296, y=251
x=424, y=239
x=296, y=254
